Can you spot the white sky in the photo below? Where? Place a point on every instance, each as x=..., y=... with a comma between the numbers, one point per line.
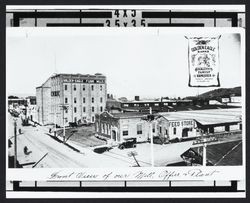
x=142, y=61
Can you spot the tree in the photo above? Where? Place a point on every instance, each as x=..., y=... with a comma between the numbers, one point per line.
x=13, y=97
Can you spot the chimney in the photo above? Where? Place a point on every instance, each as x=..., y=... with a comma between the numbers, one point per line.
x=137, y=98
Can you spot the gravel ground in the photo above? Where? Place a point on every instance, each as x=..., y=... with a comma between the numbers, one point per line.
x=84, y=136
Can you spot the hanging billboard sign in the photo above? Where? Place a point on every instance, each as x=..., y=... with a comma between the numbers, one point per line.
x=203, y=61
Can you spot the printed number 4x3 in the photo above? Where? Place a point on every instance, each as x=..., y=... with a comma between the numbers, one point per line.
x=125, y=18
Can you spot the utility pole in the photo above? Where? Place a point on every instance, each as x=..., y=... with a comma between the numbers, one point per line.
x=55, y=120
x=63, y=130
x=15, y=144
x=152, y=144
x=150, y=119
x=63, y=125
x=64, y=107
x=204, y=160
x=204, y=154
x=151, y=139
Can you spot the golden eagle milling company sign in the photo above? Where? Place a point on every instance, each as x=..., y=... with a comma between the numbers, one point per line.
x=203, y=61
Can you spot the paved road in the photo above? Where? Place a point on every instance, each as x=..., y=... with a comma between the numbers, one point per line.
x=59, y=155
x=39, y=144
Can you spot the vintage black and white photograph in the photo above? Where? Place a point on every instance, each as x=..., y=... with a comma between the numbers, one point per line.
x=125, y=98
x=96, y=98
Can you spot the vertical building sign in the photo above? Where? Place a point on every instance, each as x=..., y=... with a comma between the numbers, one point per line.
x=203, y=61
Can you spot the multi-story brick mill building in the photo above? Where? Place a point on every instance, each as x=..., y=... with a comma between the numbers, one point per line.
x=74, y=97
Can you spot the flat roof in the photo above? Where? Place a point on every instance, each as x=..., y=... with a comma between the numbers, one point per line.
x=129, y=115
x=155, y=101
x=206, y=117
x=79, y=75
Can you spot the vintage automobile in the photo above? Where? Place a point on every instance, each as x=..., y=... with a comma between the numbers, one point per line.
x=128, y=143
x=73, y=124
x=14, y=113
x=175, y=140
x=101, y=150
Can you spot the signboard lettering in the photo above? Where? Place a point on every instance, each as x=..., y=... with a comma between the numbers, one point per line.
x=203, y=60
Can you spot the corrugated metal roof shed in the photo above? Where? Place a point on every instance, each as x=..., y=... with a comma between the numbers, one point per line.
x=207, y=117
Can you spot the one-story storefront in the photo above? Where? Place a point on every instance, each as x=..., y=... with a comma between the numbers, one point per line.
x=171, y=125
x=212, y=120
x=121, y=126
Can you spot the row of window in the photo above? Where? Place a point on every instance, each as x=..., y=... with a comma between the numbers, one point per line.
x=83, y=100
x=84, y=118
x=55, y=93
x=84, y=109
x=147, y=104
x=83, y=81
x=104, y=128
x=83, y=87
x=161, y=104
x=139, y=130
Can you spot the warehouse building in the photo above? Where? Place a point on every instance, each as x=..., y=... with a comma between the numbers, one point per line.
x=164, y=104
x=43, y=96
x=170, y=105
x=156, y=105
x=65, y=98
x=167, y=126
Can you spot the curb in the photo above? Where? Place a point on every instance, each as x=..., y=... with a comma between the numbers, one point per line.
x=61, y=141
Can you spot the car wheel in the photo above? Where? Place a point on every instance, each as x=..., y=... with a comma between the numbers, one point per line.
x=121, y=147
x=134, y=145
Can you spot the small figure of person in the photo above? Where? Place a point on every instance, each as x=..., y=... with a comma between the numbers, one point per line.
x=50, y=130
x=20, y=131
x=25, y=150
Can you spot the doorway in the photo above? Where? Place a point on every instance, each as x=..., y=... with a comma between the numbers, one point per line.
x=114, y=135
x=185, y=132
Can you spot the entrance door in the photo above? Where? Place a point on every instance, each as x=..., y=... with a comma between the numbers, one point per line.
x=114, y=135
x=185, y=132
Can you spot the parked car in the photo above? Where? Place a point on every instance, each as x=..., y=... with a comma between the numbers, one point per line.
x=85, y=124
x=72, y=124
x=175, y=140
x=128, y=143
x=14, y=113
x=101, y=150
